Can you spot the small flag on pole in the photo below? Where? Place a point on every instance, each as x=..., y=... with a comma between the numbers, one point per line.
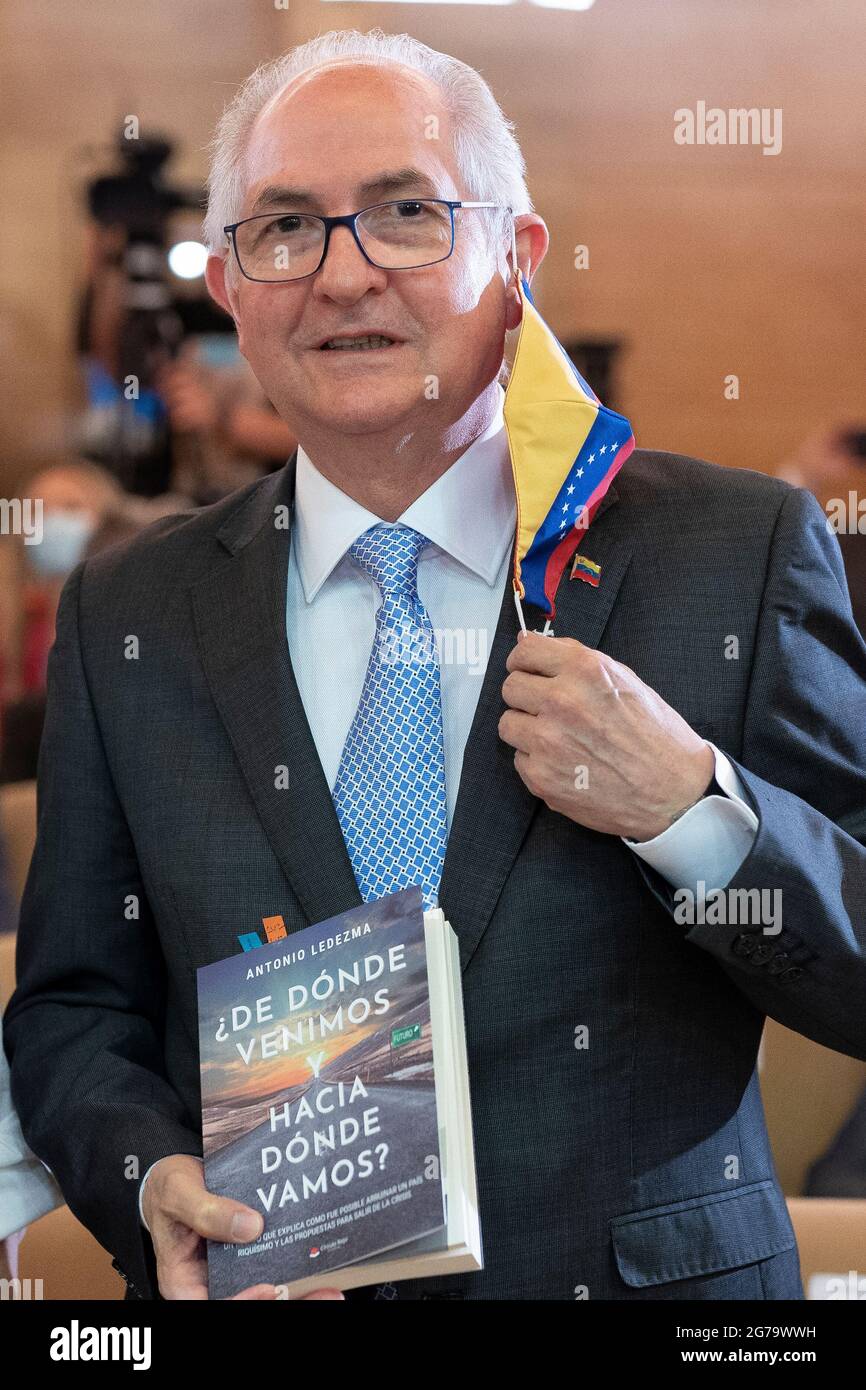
x=566, y=447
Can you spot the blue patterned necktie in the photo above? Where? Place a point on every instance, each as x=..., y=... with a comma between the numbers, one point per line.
x=390, y=789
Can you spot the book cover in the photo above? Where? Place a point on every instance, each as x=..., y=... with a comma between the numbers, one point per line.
x=318, y=1099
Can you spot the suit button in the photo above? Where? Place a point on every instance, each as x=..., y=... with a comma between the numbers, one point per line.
x=743, y=945
x=762, y=953
x=778, y=963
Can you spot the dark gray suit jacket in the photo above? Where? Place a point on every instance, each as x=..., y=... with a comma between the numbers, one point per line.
x=635, y=1168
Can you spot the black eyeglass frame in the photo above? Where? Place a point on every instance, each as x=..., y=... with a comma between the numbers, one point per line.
x=349, y=220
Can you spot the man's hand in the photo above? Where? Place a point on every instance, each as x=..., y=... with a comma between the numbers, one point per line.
x=595, y=743
x=180, y=1213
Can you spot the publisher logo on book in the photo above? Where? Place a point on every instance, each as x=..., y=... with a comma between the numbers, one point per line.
x=316, y=1250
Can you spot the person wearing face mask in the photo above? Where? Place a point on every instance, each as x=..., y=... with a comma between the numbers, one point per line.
x=83, y=508
x=76, y=497
x=64, y=540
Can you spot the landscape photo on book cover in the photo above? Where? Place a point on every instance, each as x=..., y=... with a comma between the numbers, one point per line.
x=318, y=1101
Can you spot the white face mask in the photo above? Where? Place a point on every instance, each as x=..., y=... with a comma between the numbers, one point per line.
x=64, y=539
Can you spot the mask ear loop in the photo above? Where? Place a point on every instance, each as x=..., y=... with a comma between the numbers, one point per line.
x=547, y=630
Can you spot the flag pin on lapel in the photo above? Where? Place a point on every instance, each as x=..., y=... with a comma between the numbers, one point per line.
x=587, y=570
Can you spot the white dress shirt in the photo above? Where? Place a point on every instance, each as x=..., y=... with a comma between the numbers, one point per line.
x=469, y=515
x=27, y=1188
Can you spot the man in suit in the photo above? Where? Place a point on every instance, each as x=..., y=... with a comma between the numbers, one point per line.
x=217, y=705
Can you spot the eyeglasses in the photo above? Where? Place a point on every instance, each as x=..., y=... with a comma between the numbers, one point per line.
x=274, y=247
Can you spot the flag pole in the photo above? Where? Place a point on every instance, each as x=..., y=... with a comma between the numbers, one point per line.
x=519, y=607
x=546, y=631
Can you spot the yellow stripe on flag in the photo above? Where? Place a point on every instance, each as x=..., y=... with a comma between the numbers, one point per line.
x=547, y=420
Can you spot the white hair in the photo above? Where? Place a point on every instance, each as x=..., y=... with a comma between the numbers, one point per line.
x=488, y=157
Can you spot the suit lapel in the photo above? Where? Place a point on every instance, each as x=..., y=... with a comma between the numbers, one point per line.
x=240, y=623
x=494, y=809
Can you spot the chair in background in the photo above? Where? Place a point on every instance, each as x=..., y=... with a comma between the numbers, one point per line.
x=18, y=827
x=808, y=1091
x=72, y=1265
x=831, y=1235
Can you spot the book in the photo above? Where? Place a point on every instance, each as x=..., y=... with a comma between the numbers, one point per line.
x=335, y=1101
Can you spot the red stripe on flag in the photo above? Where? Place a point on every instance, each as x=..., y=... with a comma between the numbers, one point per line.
x=563, y=552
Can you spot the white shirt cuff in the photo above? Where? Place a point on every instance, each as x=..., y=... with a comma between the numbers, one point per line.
x=709, y=842
x=27, y=1191
x=141, y=1194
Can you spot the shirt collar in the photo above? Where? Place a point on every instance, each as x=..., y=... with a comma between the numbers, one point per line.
x=469, y=512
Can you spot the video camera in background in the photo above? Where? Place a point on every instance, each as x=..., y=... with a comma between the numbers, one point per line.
x=136, y=311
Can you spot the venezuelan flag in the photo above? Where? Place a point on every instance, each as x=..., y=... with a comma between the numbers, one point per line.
x=566, y=448
x=587, y=570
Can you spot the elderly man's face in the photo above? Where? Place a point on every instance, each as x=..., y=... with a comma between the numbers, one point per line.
x=335, y=133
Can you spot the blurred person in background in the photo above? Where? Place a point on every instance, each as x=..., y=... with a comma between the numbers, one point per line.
x=125, y=431
x=226, y=432
x=832, y=465
x=76, y=497
x=84, y=510
x=841, y=1170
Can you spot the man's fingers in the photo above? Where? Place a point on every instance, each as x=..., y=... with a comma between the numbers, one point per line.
x=542, y=655
x=515, y=728
x=221, y=1218
x=183, y=1290
x=522, y=690
x=183, y=1197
